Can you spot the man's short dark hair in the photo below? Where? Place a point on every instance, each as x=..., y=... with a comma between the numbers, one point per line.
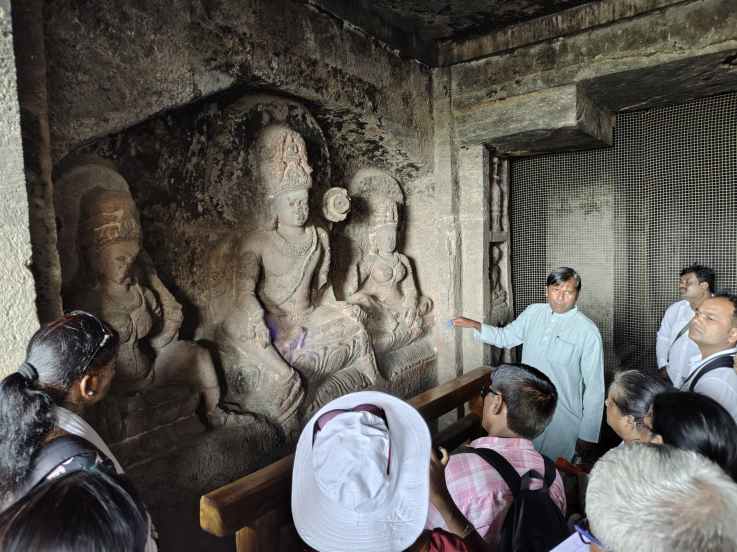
x=732, y=298
x=563, y=274
x=530, y=397
x=703, y=274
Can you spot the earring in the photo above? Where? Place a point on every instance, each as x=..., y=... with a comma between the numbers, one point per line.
x=90, y=392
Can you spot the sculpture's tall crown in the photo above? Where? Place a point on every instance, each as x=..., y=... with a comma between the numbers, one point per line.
x=385, y=211
x=281, y=155
x=107, y=216
x=380, y=195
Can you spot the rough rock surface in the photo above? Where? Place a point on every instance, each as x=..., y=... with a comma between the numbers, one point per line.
x=18, y=317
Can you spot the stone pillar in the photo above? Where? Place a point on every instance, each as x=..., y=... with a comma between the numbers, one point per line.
x=475, y=185
x=447, y=278
x=32, y=93
x=17, y=302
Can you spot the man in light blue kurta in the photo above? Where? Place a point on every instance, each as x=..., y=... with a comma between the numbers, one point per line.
x=565, y=344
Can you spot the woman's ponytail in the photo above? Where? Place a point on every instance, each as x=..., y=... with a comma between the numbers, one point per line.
x=25, y=420
x=58, y=355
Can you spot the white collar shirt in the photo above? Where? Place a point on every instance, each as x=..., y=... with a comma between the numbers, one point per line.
x=673, y=351
x=720, y=385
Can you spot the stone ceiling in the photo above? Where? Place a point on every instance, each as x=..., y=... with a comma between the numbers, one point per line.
x=414, y=25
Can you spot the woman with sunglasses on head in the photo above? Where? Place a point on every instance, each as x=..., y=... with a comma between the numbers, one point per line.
x=629, y=400
x=69, y=366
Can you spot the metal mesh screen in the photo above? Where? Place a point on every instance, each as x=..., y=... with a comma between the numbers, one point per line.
x=629, y=217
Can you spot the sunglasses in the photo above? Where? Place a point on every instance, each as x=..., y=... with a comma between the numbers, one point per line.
x=486, y=389
x=104, y=340
x=585, y=534
x=325, y=418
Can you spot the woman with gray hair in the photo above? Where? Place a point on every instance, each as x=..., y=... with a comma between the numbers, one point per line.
x=629, y=401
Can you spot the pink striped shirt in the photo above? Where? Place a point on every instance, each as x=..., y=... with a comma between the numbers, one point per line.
x=481, y=493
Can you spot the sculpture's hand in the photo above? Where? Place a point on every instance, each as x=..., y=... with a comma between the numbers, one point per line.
x=248, y=327
x=410, y=316
x=424, y=305
x=258, y=332
x=354, y=312
x=362, y=299
x=167, y=335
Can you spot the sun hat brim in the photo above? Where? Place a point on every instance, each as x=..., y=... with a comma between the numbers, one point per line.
x=393, y=525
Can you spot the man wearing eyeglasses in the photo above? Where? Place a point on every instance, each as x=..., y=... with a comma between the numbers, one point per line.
x=519, y=402
x=564, y=344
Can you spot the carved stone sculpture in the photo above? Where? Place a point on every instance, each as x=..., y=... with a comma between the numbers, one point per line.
x=285, y=322
x=383, y=282
x=500, y=311
x=117, y=281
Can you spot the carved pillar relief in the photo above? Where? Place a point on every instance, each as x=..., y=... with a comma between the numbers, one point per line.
x=500, y=270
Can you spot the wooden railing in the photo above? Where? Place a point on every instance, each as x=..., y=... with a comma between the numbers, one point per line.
x=256, y=508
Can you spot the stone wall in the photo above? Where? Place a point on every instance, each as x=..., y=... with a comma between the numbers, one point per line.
x=654, y=52
x=142, y=60
x=18, y=317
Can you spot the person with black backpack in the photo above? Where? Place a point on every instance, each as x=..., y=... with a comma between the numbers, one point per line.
x=714, y=330
x=508, y=491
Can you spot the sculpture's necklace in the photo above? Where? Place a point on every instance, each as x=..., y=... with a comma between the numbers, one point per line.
x=290, y=249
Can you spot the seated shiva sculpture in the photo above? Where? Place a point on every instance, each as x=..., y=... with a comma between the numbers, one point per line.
x=121, y=286
x=287, y=342
x=383, y=282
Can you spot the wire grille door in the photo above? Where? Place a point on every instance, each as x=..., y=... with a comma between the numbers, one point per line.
x=629, y=217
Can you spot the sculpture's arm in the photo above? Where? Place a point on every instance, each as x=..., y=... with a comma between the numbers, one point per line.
x=417, y=305
x=324, y=268
x=164, y=306
x=408, y=285
x=246, y=321
x=353, y=279
x=358, y=279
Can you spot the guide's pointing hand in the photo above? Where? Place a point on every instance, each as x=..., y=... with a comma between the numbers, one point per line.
x=463, y=322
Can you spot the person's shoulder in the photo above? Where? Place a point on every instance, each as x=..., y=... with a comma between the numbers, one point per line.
x=676, y=307
x=535, y=308
x=508, y=448
x=587, y=323
x=255, y=240
x=725, y=376
x=465, y=461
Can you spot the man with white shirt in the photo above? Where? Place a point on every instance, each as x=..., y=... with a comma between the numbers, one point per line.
x=565, y=345
x=714, y=330
x=674, y=348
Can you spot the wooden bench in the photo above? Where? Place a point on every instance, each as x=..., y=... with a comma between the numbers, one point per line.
x=257, y=507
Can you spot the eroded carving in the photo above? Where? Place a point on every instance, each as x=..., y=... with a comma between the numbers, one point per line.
x=500, y=309
x=285, y=322
x=382, y=281
x=116, y=279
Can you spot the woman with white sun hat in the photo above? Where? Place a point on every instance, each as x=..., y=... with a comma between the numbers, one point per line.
x=361, y=483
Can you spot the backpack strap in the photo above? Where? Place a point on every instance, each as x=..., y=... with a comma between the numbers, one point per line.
x=55, y=453
x=724, y=361
x=550, y=472
x=500, y=464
